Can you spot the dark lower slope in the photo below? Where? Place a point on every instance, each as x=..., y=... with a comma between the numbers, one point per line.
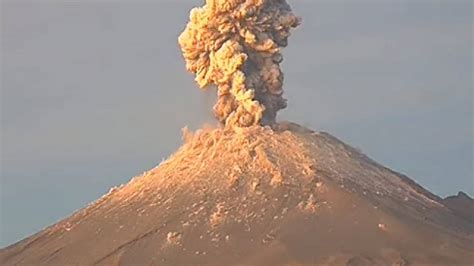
x=258, y=197
x=462, y=205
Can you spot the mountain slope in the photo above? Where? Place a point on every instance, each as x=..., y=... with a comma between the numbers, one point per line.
x=462, y=205
x=258, y=196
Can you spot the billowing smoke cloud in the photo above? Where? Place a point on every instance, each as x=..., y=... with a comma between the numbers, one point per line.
x=235, y=44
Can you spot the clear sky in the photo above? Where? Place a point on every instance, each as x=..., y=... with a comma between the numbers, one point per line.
x=95, y=92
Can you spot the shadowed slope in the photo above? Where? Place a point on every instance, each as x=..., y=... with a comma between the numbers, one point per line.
x=462, y=205
x=258, y=197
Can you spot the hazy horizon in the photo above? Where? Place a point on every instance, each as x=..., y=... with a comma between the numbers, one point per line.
x=96, y=92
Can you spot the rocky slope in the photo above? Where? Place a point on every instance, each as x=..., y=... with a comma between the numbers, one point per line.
x=462, y=205
x=259, y=196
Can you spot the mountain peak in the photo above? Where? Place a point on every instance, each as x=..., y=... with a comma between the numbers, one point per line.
x=463, y=195
x=257, y=195
x=462, y=205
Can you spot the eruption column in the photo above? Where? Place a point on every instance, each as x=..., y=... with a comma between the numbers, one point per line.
x=235, y=45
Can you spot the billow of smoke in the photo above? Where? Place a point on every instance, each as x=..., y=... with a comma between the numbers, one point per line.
x=235, y=45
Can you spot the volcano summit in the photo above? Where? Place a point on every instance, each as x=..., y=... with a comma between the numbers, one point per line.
x=259, y=196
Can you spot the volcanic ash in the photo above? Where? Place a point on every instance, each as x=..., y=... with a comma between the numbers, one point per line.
x=236, y=45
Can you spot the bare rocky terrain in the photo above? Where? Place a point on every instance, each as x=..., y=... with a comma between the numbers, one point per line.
x=258, y=196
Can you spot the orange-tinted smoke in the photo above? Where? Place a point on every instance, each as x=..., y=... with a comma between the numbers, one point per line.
x=235, y=45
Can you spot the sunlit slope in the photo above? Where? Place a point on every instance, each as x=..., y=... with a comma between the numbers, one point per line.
x=258, y=196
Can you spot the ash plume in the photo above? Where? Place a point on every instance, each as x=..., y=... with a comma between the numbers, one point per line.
x=235, y=45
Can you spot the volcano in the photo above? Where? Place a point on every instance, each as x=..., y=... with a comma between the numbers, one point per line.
x=260, y=196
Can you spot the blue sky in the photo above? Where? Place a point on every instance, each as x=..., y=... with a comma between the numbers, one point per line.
x=95, y=92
